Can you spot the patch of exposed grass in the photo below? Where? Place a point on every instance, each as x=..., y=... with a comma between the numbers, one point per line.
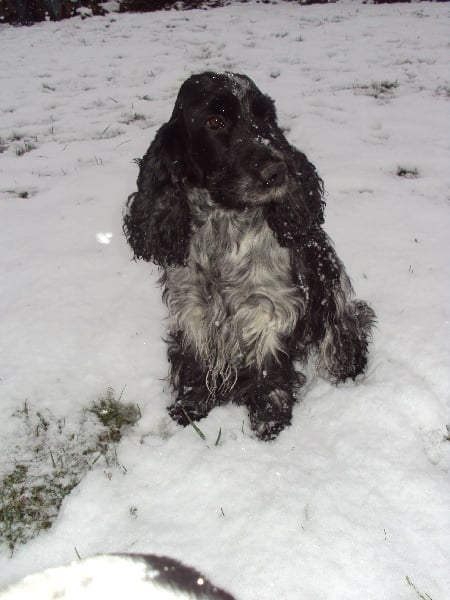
x=48, y=87
x=24, y=147
x=378, y=89
x=51, y=457
x=443, y=90
x=114, y=415
x=15, y=137
x=132, y=118
x=408, y=172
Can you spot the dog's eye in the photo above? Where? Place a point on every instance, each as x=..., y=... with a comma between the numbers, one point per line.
x=215, y=122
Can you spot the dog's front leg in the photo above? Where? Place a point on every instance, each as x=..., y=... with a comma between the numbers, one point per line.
x=269, y=395
x=193, y=399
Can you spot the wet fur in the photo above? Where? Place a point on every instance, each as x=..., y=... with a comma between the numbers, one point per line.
x=233, y=216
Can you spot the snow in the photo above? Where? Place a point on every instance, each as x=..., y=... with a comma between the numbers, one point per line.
x=353, y=498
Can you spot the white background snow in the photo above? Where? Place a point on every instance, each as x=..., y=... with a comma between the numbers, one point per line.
x=354, y=497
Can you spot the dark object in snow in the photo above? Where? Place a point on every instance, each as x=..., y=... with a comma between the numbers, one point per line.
x=27, y=12
x=391, y=1
x=118, y=576
x=155, y=5
x=232, y=214
x=408, y=172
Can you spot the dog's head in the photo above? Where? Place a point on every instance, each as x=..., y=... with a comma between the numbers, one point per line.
x=223, y=137
x=234, y=147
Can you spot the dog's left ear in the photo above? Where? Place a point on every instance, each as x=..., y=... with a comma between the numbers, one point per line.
x=157, y=221
x=301, y=211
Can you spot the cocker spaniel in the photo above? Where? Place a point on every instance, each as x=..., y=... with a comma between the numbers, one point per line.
x=233, y=214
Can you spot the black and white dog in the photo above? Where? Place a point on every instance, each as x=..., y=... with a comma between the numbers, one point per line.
x=233, y=214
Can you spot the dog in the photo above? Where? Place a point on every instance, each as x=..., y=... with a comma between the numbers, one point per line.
x=232, y=214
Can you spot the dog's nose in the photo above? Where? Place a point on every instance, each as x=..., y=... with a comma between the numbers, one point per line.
x=273, y=173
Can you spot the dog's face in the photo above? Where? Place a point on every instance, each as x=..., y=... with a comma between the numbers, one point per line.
x=235, y=147
x=222, y=146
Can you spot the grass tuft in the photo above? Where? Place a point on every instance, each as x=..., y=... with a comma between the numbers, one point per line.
x=115, y=415
x=132, y=118
x=407, y=172
x=378, y=89
x=25, y=147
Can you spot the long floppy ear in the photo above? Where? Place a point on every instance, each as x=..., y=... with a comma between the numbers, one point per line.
x=301, y=210
x=157, y=220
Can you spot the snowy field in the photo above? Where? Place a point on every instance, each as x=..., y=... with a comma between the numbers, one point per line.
x=350, y=502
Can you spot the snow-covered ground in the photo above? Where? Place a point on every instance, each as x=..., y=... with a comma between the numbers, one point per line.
x=350, y=502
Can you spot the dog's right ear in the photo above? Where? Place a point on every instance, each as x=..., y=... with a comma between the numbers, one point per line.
x=157, y=219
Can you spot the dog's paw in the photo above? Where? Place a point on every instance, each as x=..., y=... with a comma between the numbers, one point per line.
x=178, y=413
x=191, y=405
x=183, y=415
x=344, y=351
x=271, y=413
x=268, y=430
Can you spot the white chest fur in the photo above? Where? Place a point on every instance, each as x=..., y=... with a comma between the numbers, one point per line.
x=234, y=301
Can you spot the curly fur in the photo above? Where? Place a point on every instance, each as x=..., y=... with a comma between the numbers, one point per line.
x=233, y=214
